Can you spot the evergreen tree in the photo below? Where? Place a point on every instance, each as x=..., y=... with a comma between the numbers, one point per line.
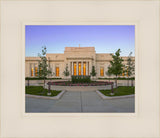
x=44, y=70
x=116, y=67
x=66, y=71
x=93, y=73
x=130, y=66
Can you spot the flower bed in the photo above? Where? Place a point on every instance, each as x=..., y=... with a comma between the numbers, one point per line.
x=69, y=83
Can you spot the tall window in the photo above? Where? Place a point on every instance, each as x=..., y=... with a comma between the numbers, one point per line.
x=32, y=72
x=84, y=68
x=101, y=71
x=75, y=68
x=79, y=68
x=36, y=71
x=57, y=71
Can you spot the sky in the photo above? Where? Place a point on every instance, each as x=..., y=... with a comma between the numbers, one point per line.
x=105, y=38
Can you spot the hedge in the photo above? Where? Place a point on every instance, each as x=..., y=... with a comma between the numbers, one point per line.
x=29, y=78
x=81, y=79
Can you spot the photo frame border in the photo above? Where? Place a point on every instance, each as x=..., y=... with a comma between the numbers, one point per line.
x=82, y=22
x=61, y=20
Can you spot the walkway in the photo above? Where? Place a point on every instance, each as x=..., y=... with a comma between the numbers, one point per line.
x=80, y=102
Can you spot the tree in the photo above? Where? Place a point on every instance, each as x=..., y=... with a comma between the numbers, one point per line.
x=93, y=73
x=124, y=70
x=44, y=70
x=130, y=66
x=109, y=73
x=66, y=71
x=116, y=67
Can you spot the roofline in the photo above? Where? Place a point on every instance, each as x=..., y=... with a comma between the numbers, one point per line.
x=104, y=53
x=32, y=57
x=54, y=53
x=80, y=47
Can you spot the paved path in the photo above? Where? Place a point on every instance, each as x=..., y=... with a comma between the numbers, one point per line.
x=80, y=102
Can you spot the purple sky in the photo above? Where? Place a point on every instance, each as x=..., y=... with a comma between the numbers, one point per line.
x=105, y=38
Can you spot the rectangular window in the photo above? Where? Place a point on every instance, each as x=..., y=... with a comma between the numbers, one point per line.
x=75, y=68
x=101, y=71
x=79, y=68
x=32, y=72
x=84, y=68
x=57, y=71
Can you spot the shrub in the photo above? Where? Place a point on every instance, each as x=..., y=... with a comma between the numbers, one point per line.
x=81, y=79
x=36, y=78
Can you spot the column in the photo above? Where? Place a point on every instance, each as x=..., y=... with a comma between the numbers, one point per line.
x=77, y=68
x=82, y=68
x=86, y=67
x=68, y=66
x=70, y=71
x=72, y=68
x=29, y=70
x=90, y=67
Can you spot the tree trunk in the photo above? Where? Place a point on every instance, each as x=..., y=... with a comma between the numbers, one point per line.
x=116, y=83
x=44, y=85
x=132, y=83
x=112, y=88
x=128, y=81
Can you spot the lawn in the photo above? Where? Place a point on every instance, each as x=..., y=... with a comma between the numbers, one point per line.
x=121, y=90
x=119, y=78
x=37, y=90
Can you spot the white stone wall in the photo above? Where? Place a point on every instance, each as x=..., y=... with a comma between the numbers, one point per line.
x=73, y=54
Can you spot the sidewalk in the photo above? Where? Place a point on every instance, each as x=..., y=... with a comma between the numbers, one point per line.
x=80, y=102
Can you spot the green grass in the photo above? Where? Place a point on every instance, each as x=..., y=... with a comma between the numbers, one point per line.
x=37, y=90
x=122, y=78
x=121, y=90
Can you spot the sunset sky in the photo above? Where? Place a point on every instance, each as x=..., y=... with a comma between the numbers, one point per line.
x=105, y=38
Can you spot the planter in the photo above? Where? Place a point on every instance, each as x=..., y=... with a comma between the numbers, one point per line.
x=79, y=88
x=113, y=97
x=46, y=97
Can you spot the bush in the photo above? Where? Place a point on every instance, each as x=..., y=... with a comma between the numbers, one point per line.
x=36, y=78
x=81, y=79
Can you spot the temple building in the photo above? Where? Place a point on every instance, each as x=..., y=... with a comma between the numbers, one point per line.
x=78, y=59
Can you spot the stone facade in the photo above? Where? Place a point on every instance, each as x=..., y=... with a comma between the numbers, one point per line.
x=79, y=60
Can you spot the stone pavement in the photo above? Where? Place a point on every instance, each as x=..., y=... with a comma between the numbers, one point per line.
x=80, y=102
